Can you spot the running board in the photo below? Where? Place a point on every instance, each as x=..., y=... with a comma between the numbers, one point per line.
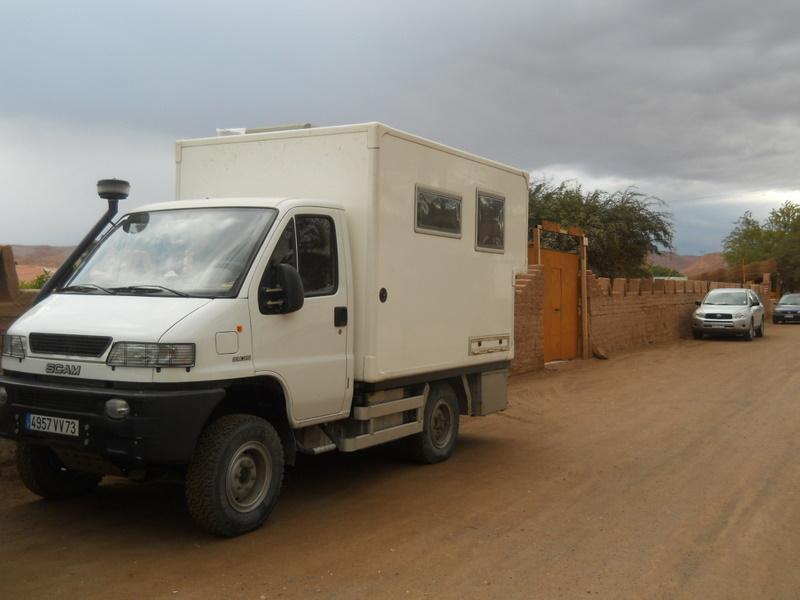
x=379, y=420
x=365, y=413
x=379, y=437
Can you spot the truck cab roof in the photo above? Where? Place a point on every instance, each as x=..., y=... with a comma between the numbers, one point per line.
x=280, y=203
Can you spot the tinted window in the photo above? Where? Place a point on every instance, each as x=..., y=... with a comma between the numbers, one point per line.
x=729, y=297
x=316, y=245
x=791, y=299
x=490, y=234
x=285, y=252
x=438, y=212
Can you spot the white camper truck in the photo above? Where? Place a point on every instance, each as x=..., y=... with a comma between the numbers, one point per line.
x=308, y=290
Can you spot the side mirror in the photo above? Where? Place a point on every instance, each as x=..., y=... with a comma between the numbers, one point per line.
x=697, y=303
x=281, y=291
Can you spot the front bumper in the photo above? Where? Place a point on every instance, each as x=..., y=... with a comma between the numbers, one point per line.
x=721, y=326
x=162, y=428
x=789, y=317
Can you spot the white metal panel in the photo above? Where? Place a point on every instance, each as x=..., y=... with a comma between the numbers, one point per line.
x=304, y=349
x=441, y=291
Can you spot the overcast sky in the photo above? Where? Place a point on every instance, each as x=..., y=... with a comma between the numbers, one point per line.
x=695, y=102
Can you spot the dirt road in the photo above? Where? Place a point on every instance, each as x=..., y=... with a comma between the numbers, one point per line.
x=674, y=472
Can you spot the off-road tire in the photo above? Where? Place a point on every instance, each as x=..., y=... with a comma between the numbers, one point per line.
x=698, y=335
x=430, y=445
x=761, y=328
x=207, y=479
x=43, y=473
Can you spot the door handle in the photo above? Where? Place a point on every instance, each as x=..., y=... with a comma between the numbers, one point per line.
x=340, y=316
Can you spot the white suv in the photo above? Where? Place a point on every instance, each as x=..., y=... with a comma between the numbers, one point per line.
x=729, y=311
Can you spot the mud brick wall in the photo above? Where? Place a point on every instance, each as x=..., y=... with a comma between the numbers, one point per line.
x=629, y=313
x=529, y=321
x=13, y=301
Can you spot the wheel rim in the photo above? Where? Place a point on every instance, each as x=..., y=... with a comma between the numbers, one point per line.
x=442, y=420
x=249, y=476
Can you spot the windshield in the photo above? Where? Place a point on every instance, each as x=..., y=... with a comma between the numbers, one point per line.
x=729, y=298
x=792, y=299
x=194, y=251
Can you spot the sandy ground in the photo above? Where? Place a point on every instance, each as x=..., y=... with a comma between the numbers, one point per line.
x=669, y=473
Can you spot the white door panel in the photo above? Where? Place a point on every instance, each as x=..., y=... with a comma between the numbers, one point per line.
x=304, y=347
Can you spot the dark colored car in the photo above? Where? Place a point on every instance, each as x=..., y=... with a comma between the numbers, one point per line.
x=787, y=310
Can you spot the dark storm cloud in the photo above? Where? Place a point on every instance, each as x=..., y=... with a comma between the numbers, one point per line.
x=693, y=101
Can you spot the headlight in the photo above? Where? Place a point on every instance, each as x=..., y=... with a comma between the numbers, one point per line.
x=14, y=346
x=699, y=315
x=739, y=315
x=138, y=354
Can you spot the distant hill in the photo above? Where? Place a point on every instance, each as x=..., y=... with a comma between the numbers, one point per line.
x=45, y=256
x=32, y=260
x=689, y=265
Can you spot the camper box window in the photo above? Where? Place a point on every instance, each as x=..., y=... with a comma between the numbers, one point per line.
x=490, y=222
x=437, y=212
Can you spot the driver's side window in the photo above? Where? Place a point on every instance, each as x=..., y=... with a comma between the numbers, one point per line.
x=316, y=261
x=285, y=252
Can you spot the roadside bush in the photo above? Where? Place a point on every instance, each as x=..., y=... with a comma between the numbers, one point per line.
x=37, y=282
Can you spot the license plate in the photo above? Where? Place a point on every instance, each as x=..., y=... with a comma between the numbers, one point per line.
x=52, y=424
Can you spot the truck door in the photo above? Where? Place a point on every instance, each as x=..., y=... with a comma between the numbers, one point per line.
x=308, y=348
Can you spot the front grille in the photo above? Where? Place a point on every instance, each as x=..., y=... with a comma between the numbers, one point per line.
x=45, y=399
x=69, y=345
x=719, y=316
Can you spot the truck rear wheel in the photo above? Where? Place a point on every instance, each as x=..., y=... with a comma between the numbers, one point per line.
x=235, y=476
x=44, y=474
x=437, y=440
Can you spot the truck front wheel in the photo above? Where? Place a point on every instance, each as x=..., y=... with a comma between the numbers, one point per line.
x=235, y=476
x=437, y=440
x=43, y=473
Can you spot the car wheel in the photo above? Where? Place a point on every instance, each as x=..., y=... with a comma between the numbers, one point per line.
x=437, y=440
x=761, y=328
x=43, y=473
x=235, y=477
x=751, y=331
x=698, y=335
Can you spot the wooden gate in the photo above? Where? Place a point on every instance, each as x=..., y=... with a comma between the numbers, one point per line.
x=560, y=304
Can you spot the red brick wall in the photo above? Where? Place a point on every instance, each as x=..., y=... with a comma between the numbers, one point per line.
x=529, y=322
x=13, y=301
x=629, y=313
x=624, y=314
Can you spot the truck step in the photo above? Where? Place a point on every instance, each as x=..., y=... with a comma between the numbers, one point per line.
x=381, y=417
x=365, y=413
x=379, y=437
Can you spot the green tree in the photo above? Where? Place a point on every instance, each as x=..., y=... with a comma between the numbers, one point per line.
x=659, y=271
x=623, y=227
x=748, y=242
x=777, y=237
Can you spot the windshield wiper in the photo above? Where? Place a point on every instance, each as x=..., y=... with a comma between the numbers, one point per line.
x=147, y=289
x=82, y=287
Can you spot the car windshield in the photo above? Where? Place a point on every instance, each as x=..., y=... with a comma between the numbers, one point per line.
x=791, y=299
x=728, y=298
x=183, y=252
